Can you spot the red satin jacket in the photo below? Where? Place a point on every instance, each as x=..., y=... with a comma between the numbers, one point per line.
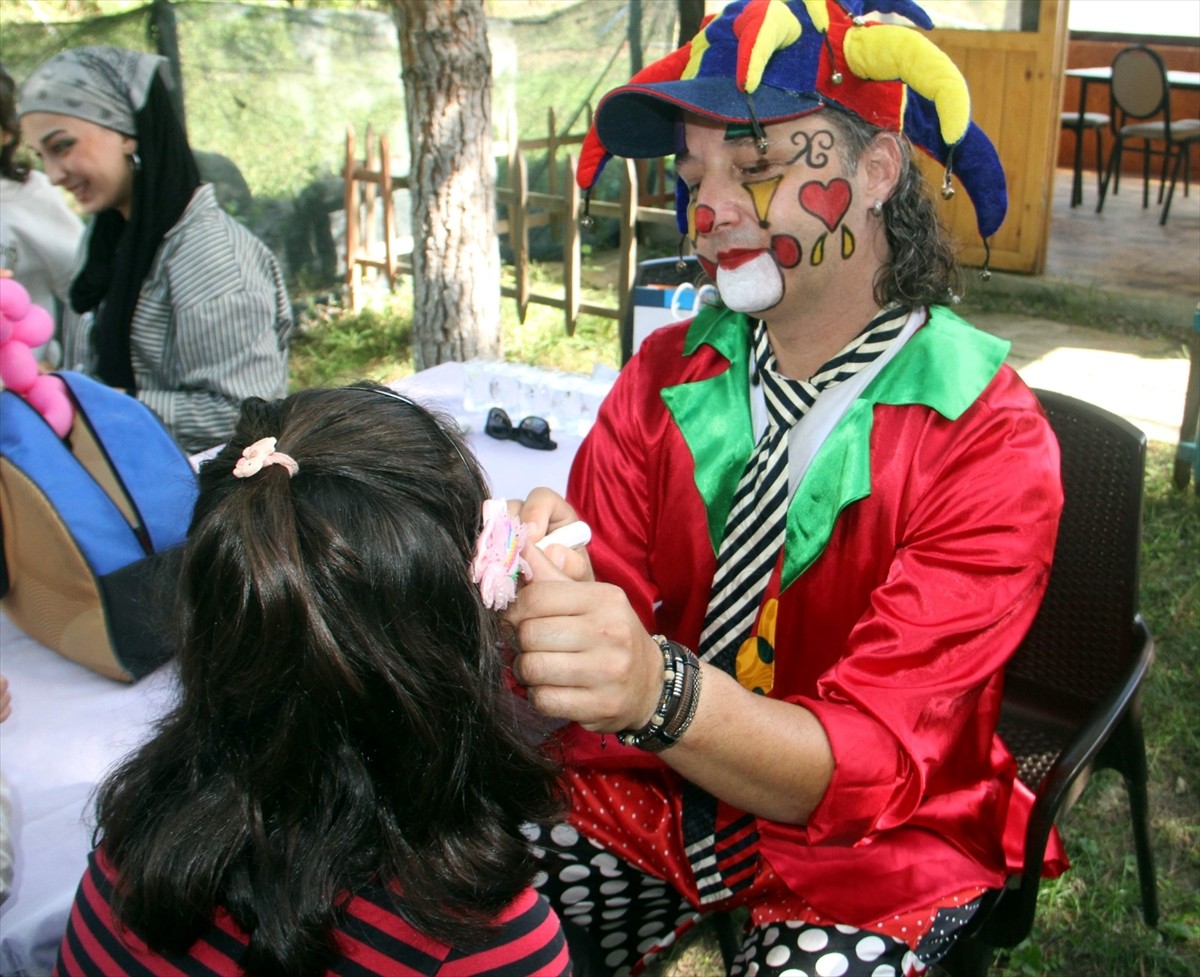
x=917, y=551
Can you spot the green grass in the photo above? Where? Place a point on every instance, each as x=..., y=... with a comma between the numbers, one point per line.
x=1089, y=921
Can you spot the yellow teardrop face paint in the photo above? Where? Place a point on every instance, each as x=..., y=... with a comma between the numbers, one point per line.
x=847, y=242
x=762, y=192
x=818, y=251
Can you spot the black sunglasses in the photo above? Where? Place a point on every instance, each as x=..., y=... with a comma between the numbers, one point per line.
x=532, y=432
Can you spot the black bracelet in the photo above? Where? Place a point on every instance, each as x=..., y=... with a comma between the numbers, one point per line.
x=676, y=705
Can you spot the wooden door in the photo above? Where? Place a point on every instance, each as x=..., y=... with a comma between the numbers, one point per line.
x=1016, y=81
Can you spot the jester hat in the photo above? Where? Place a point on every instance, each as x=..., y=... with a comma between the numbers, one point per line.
x=764, y=61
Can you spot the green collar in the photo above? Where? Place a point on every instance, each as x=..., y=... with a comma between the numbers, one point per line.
x=945, y=366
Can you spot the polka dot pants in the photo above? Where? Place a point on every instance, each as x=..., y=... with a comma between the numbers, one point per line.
x=633, y=917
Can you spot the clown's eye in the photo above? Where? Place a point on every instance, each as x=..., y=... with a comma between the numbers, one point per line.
x=760, y=167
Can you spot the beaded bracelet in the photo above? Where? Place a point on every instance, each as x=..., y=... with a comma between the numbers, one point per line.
x=676, y=704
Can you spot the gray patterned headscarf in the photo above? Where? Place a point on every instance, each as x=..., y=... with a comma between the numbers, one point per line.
x=104, y=85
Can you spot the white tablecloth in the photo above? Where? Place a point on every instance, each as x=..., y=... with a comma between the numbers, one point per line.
x=69, y=725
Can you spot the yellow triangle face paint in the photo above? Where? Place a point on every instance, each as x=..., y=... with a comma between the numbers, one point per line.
x=847, y=242
x=762, y=192
x=818, y=251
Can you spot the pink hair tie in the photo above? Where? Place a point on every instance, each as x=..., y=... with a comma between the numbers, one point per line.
x=498, y=562
x=259, y=455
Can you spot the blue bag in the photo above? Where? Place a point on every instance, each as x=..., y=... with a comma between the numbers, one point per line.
x=91, y=525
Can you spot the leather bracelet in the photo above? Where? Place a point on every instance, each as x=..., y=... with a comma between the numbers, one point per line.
x=676, y=704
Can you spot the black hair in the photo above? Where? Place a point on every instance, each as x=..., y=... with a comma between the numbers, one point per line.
x=10, y=167
x=922, y=268
x=344, y=719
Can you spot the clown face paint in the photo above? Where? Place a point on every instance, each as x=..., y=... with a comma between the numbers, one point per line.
x=749, y=282
x=753, y=217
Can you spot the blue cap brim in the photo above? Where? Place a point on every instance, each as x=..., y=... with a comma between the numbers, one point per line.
x=642, y=121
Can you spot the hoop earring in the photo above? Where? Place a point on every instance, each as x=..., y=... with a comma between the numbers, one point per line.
x=135, y=162
x=877, y=208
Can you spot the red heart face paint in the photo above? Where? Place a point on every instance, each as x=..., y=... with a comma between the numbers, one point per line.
x=828, y=201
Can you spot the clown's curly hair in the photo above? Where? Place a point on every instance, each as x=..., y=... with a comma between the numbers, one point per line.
x=923, y=267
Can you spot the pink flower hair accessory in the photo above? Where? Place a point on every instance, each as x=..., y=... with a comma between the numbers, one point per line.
x=498, y=563
x=257, y=456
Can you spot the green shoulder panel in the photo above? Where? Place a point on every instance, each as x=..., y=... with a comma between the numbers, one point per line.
x=945, y=366
x=713, y=415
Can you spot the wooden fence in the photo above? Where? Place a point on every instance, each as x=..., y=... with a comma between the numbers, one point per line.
x=368, y=180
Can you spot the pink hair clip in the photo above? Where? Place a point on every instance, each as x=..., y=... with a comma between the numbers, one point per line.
x=259, y=455
x=498, y=562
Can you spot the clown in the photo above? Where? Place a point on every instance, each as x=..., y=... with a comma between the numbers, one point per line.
x=823, y=516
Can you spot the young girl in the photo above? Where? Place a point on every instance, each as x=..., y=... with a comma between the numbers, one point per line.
x=179, y=303
x=343, y=783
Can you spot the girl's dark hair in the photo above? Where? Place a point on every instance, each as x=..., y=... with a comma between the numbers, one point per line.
x=923, y=268
x=344, y=719
x=10, y=167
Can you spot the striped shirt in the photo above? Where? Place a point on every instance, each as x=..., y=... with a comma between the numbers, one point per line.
x=374, y=941
x=211, y=326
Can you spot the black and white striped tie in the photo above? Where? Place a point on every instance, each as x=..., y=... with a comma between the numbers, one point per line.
x=754, y=531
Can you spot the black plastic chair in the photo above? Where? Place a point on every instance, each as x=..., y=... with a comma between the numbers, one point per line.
x=1095, y=122
x=1072, y=699
x=1139, y=91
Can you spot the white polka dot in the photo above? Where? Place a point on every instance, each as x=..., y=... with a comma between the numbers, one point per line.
x=832, y=965
x=613, y=886
x=612, y=914
x=870, y=948
x=576, y=893
x=564, y=834
x=615, y=959
x=532, y=832
x=770, y=936
x=793, y=972
x=582, y=919
x=612, y=940
x=812, y=940
x=843, y=928
x=573, y=873
x=605, y=864
x=777, y=956
x=884, y=970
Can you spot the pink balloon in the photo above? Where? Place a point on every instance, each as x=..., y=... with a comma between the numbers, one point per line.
x=14, y=300
x=49, y=397
x=35, y=327
x=6, y=329
x=18, y=368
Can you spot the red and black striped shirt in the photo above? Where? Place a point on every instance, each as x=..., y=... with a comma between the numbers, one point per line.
x=373, y=941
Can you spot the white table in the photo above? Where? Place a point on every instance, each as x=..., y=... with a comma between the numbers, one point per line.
x=69, y=725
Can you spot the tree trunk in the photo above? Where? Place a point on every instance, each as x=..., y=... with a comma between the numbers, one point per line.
x=447, y=72
x=691, y=12
x=636, y=57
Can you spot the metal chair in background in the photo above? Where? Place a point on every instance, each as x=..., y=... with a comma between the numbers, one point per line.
x=1079, y=124
x=1072, y=696
x=1140, y=92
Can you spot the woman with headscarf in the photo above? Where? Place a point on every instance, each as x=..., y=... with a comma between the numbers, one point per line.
x=180, y=304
